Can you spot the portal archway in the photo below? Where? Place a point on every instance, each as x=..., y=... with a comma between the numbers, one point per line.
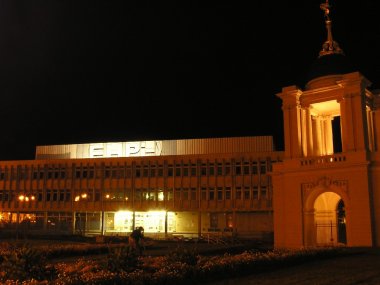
x=329, y=219
x=325, y=213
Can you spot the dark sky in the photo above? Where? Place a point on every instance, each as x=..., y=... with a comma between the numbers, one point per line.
x=92, y=71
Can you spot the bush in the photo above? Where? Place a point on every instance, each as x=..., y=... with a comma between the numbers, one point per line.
x=25, y=263
x=183, y=255
x=122, y=259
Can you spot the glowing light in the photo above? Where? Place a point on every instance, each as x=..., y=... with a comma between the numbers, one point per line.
x=151, y=221
x=32, y=198
x=123, y=220
x=27, y=199
x=160, y=196
x=84, y=195
x=77, y=198
x=21, y=197
x=107, y=196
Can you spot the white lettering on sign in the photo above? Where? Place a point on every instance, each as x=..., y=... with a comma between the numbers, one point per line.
x=97, y=150
x=143, y=148
x=114, y=149
x=132, y=148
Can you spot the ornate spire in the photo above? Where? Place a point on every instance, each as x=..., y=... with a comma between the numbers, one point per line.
x=330, y=46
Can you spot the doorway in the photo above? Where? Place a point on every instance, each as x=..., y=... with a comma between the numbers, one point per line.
x=329, y=219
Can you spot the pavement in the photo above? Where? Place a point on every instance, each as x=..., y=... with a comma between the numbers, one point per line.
x=158, y=248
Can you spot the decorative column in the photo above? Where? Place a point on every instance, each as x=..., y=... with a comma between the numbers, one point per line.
x=292, y=121
x=309, y=131
x=328, y=135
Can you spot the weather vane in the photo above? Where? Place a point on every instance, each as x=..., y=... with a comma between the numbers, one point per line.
x=330, y=46
x=326, y=8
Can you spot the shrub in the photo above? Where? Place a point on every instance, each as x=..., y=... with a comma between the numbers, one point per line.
x=183, y=255
x=122, y=259
x=25, y=263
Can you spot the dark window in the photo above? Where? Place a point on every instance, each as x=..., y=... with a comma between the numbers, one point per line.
x=247, y=193
x=211, y=170
x=211, y=194
x=263, y=192
x=193, y=170
x=91, y=173
x=61, y=195
x=227, y=169
x=220, y=193
x=238, y=193
x=255, y=193
x=204, y=194
x=219, y=169
x=246, y=169
x=55, y=195
x=39, y=195
x=237, y=169
x=48, y=195
x=254, y=168
x=228, y=193
x=68, y=195
x=170, y=170
x=263, y=167
x=107, y=172
x=193, y=194
x=203, y=170
x=137, y=172
x=145, y=171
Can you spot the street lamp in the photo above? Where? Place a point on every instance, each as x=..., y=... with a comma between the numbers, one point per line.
x=78, y=198
x=23, y=198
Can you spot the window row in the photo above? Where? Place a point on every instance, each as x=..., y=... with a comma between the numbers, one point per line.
x=141, y=194
x=204, y=169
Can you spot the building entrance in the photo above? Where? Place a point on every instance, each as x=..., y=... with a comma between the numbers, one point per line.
x=329, y=219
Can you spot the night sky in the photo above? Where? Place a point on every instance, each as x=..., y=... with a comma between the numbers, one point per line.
x=101, y=71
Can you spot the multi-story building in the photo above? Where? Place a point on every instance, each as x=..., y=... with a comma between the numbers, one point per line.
x=187, y=187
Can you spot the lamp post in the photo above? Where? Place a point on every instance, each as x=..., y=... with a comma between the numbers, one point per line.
x=22, y=198
x=77, y=199
x=107, y=196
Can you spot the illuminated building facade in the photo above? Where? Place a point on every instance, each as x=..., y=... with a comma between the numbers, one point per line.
x=327, y=188
x=185, y=187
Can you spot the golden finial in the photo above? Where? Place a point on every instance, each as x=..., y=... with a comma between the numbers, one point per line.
x=330, y=46
x=326, y=8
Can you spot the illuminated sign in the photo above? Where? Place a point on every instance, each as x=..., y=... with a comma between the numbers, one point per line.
x=125, y=149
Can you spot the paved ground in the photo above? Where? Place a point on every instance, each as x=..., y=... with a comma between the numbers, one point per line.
x=362, y=268
x=160, y=248
x=163, y=247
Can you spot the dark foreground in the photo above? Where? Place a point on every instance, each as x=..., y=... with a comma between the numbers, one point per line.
x=361, y=268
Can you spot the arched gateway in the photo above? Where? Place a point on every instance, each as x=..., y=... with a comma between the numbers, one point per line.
x=325, y=218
